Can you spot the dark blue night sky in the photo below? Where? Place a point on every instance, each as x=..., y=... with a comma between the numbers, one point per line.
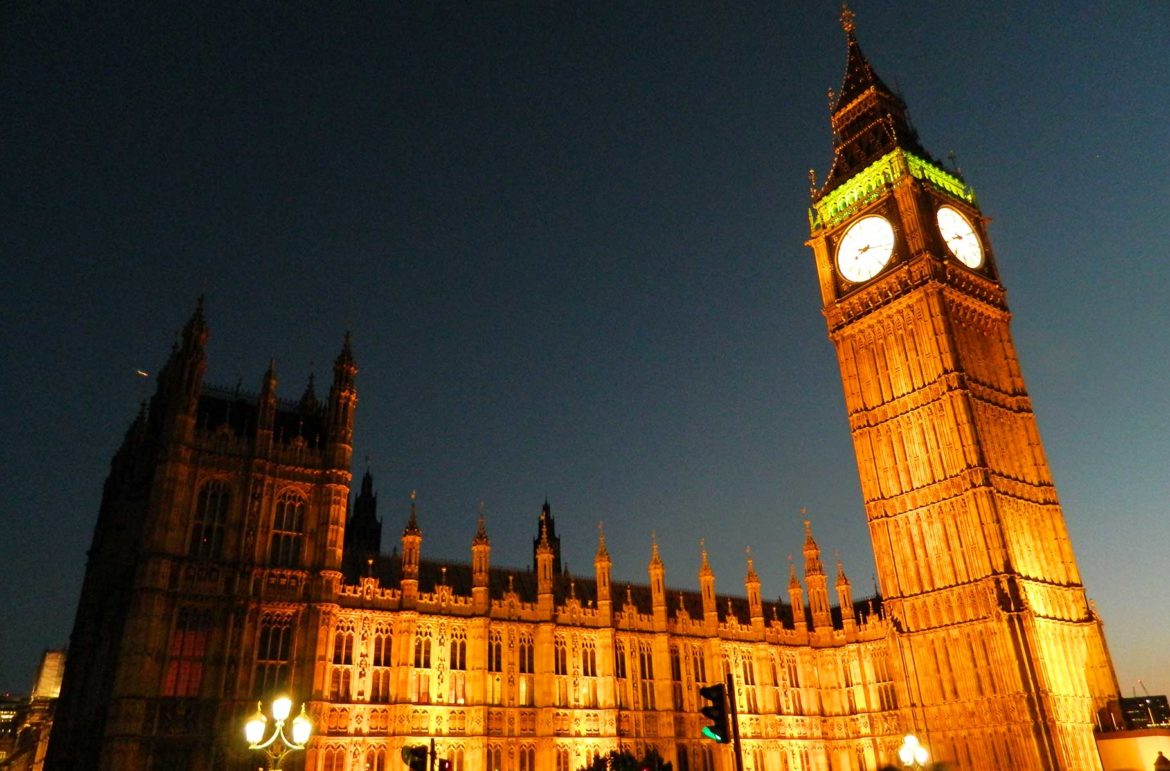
x=568, y=241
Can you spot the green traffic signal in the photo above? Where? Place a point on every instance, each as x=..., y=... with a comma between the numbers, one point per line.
x=415, y=758
x=716, y=712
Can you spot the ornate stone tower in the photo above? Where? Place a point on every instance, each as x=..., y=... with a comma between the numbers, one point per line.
x=1004, y=659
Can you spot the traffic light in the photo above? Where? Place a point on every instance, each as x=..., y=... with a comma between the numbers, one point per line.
x=444, y=765
x=716, y=712
x=415, y=757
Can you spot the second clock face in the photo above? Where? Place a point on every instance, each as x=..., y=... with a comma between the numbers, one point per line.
x=960, y=237
x=865, y=248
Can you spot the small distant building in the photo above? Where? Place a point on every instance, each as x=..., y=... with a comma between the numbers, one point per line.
x=25, y=723
x=1146, y=711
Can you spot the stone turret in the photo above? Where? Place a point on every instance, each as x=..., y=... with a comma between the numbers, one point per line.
x=411, y=552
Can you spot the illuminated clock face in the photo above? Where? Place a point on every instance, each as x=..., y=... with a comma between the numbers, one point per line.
x=865, y=248
x=960, y=237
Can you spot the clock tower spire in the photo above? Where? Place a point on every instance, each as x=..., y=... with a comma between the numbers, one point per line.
x=1005, y=660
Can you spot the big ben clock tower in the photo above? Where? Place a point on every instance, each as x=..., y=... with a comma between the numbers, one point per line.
x=1004, y=659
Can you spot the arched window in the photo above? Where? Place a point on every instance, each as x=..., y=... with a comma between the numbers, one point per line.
x=334, y=759
x=342, y=663
x=288, y=524
x=211, y=506
x=272, y=655
x=527, y=666
x=563, y=759
x=561, y=670
x=646, y=674
x=495, y=758
x=186, y=652
x=380, y=663
x=588, y=673
x=457, y=664
x=376, y=759
x=527, y=757
x=619, y=672
x=420, y=684
x=495, y=665
x=676, y=677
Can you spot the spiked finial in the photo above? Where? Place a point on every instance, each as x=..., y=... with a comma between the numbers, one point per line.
x=751, y=566
x=412, y=522
x=481, y=536
x=847, y=19
x=602, y=552
x=842, y=579
x=704, y=563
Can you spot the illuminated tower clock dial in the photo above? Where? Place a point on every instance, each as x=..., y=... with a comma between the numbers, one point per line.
x=865, y=248
x=960, y=237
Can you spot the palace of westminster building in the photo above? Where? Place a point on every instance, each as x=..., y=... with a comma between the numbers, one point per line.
x=229, y=561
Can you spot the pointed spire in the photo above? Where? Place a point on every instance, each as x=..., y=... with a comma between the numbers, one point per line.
x=481, y=536
x=547, y=537
x=344, y=366
x=368, y=483
x=602, y=552
x=751, y=567
x=842, y=579
x=412, y=523
x=793, y=581
x=181, y=378
x=812, y=552
x=859, y=73
x=195, y=331
x=655, y=557
x=309, y=401
x=704, y=563
x=869, y=120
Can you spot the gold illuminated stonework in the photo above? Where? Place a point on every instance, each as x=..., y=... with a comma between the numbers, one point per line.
x=230, y=563
x=1005, y=662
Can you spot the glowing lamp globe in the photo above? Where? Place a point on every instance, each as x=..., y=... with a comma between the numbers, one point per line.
x=254, y=728
x=302, y=727
x=281, y=707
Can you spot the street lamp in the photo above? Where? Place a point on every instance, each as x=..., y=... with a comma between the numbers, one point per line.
x=277, y=746
x=911, y=753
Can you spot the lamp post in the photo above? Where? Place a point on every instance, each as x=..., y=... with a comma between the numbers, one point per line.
x=277, y=746
x=912, y=753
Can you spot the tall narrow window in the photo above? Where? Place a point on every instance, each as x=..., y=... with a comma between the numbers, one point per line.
x=211, y=507
x=495, y=758
x=749, y=684
x=588, y=673
x=676, y=678
x=563, y=759
x=561, y=671
x=334, y=759
x=185, y=654
x=380, y=666
x=457, y=664
x=792, y=671
x=646, y=673
x=288, y=524
x=619, y=672
x=495, y=669
x=342, y=669
x=272, y=655
x=527, y=757
x=527, y=667
x=376, y=759
x=420, y=684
